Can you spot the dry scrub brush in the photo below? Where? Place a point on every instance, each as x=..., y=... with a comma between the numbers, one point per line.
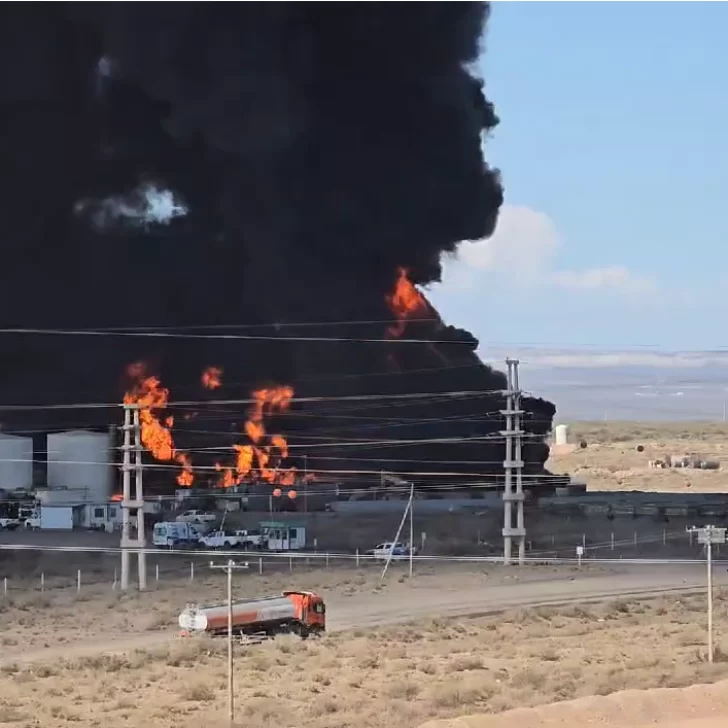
x=396, y=676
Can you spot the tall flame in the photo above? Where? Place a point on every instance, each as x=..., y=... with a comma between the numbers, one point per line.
x=212, y=378
x=149, y=394
x=405, y=302
x=263, y=457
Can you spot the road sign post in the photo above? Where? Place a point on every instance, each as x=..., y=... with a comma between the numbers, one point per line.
x=710, y=536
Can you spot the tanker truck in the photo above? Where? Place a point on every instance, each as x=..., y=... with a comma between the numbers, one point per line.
x=300, y=612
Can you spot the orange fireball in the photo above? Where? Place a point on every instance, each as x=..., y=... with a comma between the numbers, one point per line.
x=405, y=302
x=212, y=378
x=149, y=395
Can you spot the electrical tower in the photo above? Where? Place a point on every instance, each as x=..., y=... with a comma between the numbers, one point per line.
x=132, y=507
x=513, y=465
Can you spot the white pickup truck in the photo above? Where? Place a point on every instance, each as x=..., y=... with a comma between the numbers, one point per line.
x=196, y=517
x=221, y=540
x=398, y=550
x=9, y=523
x=32, y=523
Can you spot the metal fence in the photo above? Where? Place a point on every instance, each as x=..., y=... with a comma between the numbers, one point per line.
x=168, y=566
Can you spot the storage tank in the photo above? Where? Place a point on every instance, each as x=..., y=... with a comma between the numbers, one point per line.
x=294, y=611
x=255, y=612
x=16, y=462
x=81, y=459
x=561, y=434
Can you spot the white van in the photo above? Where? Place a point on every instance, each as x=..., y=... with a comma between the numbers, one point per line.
x=175, y=533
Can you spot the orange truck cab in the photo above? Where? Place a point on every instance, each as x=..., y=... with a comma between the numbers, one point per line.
x=310, y=611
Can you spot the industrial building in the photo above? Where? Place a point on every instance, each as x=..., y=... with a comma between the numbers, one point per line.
x=68, y=508
x=79, y=481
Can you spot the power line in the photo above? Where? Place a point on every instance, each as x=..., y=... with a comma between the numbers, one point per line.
x=274, y=325
x=156, y=465
x=250, y=400
x=553, y=348
x=227, y=337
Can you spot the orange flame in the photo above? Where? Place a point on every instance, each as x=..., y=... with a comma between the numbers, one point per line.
x=212, y=378
x=186, y=477
x=405, y=302
x=254, y=430
x=228, y=479
x=149, y=394
x=263, y=457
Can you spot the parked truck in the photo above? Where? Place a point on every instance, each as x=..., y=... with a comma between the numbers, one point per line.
x=299, y=612
x=9, y=524
x=175, y=533
x=220, y=540
x=392, y=550
x=196, y=516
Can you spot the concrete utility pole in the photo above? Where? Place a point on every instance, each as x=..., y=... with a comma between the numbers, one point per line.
x=513, y=465
x=132, y=506
x=228, y=568
x=709, y=535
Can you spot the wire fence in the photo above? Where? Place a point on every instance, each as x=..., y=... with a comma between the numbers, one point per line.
x=174, y=566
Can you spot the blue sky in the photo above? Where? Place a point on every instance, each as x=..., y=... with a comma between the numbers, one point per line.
x=612, y=146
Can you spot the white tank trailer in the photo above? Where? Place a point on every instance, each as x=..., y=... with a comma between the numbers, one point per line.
x=299, y=612
x=16, y=462
x=82, y=459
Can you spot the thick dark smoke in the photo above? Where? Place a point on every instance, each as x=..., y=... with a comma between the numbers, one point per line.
x=303, y=152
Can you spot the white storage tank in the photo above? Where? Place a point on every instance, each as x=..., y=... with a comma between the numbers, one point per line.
x=561, y=434
x=16, y=462
x=82, y=459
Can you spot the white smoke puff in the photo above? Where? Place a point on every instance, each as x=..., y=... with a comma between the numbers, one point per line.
x=104, y=67
x=146, y=205
x=103, y=73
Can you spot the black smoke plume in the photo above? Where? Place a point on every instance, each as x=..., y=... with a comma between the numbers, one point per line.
x=306, y=152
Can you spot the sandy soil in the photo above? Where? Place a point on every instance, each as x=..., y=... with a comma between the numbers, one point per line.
x=61, y=621
x=611, y=460
x=401, y=676
x=697, y=706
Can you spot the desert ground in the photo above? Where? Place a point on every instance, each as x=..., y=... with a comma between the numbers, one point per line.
x=611, y=461
x=39, y=623
x=401, y=675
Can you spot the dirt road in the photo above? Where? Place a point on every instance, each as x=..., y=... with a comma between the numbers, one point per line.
x=371, y=610
x=374, y=611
